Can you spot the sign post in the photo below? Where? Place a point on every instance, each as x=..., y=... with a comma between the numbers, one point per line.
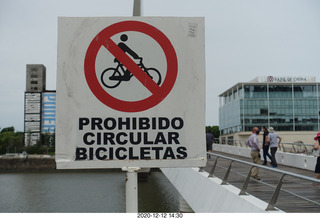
x=131, y=189
x=130, y=94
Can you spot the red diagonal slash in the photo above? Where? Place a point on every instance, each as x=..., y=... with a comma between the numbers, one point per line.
x=158, y=93
x=142, y=76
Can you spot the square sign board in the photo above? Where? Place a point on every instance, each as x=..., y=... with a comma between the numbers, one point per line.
x=130, y=92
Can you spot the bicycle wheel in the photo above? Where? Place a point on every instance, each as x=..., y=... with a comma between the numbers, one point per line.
x=154, y=75
x=105, y=78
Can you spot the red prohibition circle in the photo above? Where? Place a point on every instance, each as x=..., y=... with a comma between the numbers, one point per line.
x=158, y=92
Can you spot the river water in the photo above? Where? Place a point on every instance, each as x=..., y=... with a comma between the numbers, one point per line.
x=65, y=192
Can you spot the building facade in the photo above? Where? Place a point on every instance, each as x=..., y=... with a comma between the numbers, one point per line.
x=285, y=103
x=39, y=106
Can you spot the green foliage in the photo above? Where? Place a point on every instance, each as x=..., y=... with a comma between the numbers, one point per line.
x=48, y=139
x=214, y=130
x=13, y=142
x=10, y=141
x=8, y=129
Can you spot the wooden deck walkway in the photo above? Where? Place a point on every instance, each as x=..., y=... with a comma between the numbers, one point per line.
x=264, y=188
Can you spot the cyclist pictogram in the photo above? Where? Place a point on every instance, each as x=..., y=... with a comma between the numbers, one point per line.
x=112, y=77
x=129, y=64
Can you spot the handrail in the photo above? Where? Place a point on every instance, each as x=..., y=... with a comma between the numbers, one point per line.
x=274, y=198
x=291, y=147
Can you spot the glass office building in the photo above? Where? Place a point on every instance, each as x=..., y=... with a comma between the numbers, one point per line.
x=285, y=103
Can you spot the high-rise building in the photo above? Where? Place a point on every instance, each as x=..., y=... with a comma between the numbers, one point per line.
x=39, y=106
x=36, y=78
x=288, y=104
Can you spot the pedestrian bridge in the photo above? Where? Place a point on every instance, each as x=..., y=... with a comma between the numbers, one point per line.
x=224, y=185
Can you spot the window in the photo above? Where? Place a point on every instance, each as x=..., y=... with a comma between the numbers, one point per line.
x=263, y=111
x=280, y=91
x=305, y=91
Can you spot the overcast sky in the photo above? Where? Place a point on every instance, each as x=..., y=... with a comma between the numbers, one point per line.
x=244, y=39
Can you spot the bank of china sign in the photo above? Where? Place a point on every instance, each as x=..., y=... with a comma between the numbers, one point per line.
x=277, y=79
x=130, y=92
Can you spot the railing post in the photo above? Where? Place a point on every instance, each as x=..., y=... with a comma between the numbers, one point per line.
x=246, y=182
x=306, y=149
x=275, y=195
x=294, y=149
x=213, y=168
x=224, y=181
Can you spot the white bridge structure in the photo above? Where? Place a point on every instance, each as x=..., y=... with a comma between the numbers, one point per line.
x=225, y=186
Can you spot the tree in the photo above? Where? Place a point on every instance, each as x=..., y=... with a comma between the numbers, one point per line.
x=10, y=141
x=8, y=129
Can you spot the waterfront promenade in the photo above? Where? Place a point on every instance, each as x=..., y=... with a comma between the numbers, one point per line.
x=296, y=195
x=224, y=185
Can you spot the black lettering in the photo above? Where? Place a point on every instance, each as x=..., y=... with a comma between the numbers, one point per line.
x=85, y=138
x=157, y=151
x=108, y=136
x=160, y=139
x=110, y=123
x=173, y=137
x=98, y=153
x=96, y=122
x=144, y=123
x=135, y=141
x=154, y=123
x=144, y=151
x=131, y=154
x=99, y=138
x=81, y=154
x=117, y=153
x=90, y=153
x=83, y=122
x=164, y=123
x=118, y=138
x=182, y=153
x=168, y=153
x=124, y=123
x=110, y=153
x=145, y=139
x=134, y=123
x=177, y=123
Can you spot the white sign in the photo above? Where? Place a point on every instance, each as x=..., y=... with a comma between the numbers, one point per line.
x=130, y=92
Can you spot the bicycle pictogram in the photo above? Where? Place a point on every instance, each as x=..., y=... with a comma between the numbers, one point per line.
x=112, y=77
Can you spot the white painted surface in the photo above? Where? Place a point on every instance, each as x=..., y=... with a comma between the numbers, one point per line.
x=206, y=195
x=85, y=134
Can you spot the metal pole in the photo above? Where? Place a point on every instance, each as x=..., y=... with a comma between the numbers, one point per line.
x=137, y=8
x=131, y=189
x=132, y=172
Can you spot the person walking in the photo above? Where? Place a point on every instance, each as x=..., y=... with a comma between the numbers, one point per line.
x=265, y=146
x=274, y=144
x=254, y=144
x=209, y=140
x=316, y=149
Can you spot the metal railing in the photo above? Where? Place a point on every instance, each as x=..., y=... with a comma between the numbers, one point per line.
x=295, y=147
x=243, y=191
